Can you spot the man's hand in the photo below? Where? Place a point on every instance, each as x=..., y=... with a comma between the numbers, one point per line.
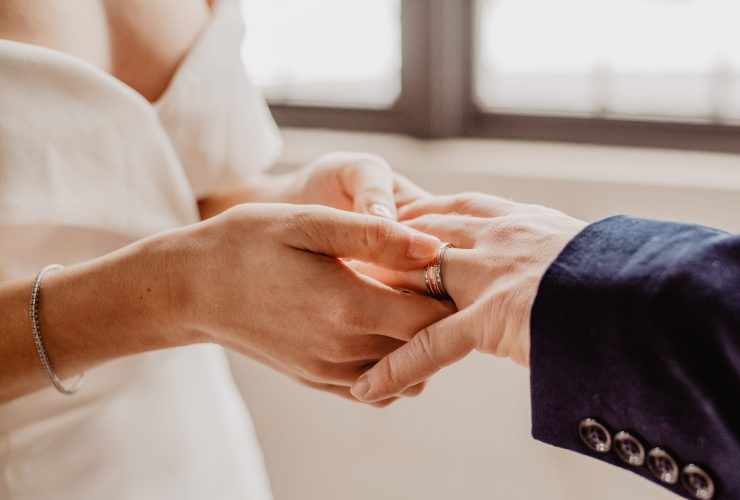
x=502, y=249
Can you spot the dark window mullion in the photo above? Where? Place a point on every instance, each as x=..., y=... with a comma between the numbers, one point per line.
x=436, y=79
x=437, y=66
x=686, y=136
x=437, y=98
x=409, y=114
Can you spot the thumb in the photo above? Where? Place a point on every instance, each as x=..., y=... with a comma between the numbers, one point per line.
x=370, y=183
x=369, y=239
x=431, y=349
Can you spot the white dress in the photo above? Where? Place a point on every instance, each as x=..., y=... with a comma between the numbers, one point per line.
x=87, y=165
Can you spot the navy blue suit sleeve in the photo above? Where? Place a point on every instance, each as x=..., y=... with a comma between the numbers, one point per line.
x=637, y=324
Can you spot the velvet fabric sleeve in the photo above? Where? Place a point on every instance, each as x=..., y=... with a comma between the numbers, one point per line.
x=636, y=328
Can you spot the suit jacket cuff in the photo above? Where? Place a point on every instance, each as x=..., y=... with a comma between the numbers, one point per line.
x=623, y=326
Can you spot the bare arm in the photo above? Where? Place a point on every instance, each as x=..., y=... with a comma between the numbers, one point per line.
x=231, y=280
x=90, y=313
x=260, y=188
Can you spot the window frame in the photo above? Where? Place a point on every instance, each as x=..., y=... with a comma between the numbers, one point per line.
x=437, y=97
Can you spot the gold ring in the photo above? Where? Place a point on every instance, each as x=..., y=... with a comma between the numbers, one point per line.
x=433, y=275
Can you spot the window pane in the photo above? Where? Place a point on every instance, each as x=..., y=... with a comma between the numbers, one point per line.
x=646, y=59
x=326, y=52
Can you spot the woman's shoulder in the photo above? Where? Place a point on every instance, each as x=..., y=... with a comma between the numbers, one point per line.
x=140, y=42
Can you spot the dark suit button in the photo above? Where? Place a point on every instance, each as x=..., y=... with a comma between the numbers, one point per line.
x=662, y=465
x=697, y=482
x=595, y=435
x=629, y=449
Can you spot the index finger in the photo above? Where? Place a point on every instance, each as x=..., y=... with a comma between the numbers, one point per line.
x=369, y=182
x=343, y=234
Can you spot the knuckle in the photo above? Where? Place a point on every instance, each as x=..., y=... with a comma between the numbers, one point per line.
x=340, y=352
x=233, y=225
x=488, y=340
x=335, y=313
x=465, y=202
x=378, y=236
x=387, y=374
x=333, y=353
x=237, y=217
x=492, y=331
x=365, y=322
x=426, y=347
x=299, y=218
x=310, y=222
x=352, y=317
x=511, y=228
x=426, y=221
x=308, y=214
x=317, y=370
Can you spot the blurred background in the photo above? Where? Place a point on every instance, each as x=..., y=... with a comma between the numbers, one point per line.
x=595, y=107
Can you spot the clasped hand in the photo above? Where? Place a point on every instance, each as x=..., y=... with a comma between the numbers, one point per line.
x=502, y=249
x=273, y=280
x=336, y=300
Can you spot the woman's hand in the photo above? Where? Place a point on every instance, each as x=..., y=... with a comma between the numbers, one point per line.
x=267, y=281
x=502, y=249
x=358, y=182
x=264, y=280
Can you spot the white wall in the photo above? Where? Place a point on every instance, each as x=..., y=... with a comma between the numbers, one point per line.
x=467, y=436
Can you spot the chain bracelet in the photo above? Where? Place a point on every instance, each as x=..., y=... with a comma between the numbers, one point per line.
x=33, y=310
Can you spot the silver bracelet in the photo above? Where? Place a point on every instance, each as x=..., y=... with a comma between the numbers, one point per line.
x=33, y=310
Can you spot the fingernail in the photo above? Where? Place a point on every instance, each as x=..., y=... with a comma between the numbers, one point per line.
x=381, y=211
x=361, y=387
x=423, y=247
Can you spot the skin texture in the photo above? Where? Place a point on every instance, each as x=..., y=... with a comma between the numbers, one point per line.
x=233, y=280
x=502, y=251
x=304, y=312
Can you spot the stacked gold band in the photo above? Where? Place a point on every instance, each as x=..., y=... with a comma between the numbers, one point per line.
x=433, y=275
